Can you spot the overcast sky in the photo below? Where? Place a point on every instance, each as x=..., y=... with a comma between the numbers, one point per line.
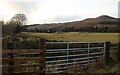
x=56, y=11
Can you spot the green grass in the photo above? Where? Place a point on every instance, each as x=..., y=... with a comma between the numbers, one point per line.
x=75, y=36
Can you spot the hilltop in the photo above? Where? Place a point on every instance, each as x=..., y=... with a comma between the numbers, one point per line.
x=101, y=23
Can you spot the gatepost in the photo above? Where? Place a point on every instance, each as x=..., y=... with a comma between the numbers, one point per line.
x=107, y=52
x=42, y=54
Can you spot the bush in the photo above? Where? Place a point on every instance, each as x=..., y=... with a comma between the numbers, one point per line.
x=29, y=44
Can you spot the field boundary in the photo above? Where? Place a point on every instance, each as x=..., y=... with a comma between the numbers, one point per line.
x=21, y=61
x=75, y=56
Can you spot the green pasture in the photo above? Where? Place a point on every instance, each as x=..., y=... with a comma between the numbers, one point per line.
x=74, y=36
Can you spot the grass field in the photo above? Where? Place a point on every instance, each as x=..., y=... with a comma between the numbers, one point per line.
x=113, y=67
x=75, y=36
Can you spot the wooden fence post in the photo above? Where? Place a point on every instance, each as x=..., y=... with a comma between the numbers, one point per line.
x=11, y=56
x=42, y=54
x=107, y=52
x=118, y=51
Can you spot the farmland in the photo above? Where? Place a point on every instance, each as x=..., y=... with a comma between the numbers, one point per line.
x=74, y=36
x=113, y=67
x=84, y=37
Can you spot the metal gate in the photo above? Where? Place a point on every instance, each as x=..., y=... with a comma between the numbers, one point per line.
x=60, y=56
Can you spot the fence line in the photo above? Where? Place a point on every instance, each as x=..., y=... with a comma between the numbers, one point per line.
x=58, y=60
x=54, y=57
x=23, y=61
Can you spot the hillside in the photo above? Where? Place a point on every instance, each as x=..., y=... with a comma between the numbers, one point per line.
x=100, y=23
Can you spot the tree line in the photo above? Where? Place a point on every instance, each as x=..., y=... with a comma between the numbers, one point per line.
x=18, y=22
x=103, y=28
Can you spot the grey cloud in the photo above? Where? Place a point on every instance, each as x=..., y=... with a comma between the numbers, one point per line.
x=28, y=6
x=65, y=18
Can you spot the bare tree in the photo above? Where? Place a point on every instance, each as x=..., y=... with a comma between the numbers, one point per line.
x=14, y=26
x=19, y=19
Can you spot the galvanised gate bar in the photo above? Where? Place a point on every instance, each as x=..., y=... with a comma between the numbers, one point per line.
x=60, y=56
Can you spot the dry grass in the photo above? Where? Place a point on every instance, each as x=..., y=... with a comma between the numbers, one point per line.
x=95, y=67
x=98, y=67
x=75, y=36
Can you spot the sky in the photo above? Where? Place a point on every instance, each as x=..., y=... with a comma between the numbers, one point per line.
x=57, y=11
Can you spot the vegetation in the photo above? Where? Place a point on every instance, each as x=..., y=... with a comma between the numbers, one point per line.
x=98, y=67
x=102, y=23
x=30, y=40
x=14, y=26
x=74, y=36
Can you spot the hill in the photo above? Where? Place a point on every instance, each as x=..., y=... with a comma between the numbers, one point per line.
x=102, y=23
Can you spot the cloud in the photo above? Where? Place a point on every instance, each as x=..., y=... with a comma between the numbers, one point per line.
x=44, y=11
x=58, y=19
x=65, y=18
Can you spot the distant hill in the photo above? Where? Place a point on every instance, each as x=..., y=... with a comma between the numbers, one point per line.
x=102, y=23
